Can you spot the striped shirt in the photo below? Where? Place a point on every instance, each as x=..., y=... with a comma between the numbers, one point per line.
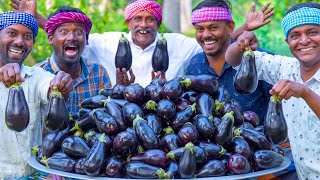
x=93, y=77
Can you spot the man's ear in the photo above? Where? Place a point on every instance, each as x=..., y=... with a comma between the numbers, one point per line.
x=287, y=40
x=231, y=27
x=50, y=37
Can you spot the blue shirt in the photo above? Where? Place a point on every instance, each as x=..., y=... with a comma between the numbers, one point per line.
x=257, y=101
x=93, y=77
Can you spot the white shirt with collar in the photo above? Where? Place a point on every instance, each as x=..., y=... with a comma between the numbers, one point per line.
x=303, y=124
x=103, y=47
x=15, y=148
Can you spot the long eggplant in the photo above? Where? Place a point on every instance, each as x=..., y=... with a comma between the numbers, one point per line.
x=56, y=115
x=188, y=162
x=145, y=135
x=106, y=92
x=202, y=84
x=154, y=157
x=139, y=170
x=160, y=56
x=123, y=57
x=204, y=126
x=176, y=154
x=130, y=110
x=205, y=105
x=105, y=123
x=224, y=132
x=79, y=166
x=183, y=117
x=116, y=112
x=223, y=94
x=228, y=107
x=93, y=102
x=61, y=164
x=266, y=159
x=255, y=139
x=172, y=170
x=17, y=115
x=213, y=151
x=75, y=147
x=154, y=122
x=212, y=168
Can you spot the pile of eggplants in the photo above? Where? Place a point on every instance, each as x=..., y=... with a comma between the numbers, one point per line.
x=193, y=130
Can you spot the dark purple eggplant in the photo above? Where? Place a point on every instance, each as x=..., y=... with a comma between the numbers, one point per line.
x=172, y=90
x=204, y=126
x=177, y=153
x=205, y=105
x=106, y=92
x=223, y=94
x=60, y=154
x=84, y=123
x=259, y=129
x=91, y=137
x=75, y=147
x=216, y=121
x=212, y=151
x=123, y=57
x=117, y=91
x=172, y=170
x=130, y=110
x=166, y=109
x=79, y=166
x=147, y=138
x=154, y=122
x=158, y=81
x=17, y=115
x=181, y=104
x=38, y=152
x=84, y=111
x=105, y=123
x=190, y=96
x=160, y=56
x=139, y=170
x=275, y=126
x=149, y=107
x=93, y=102
x=183, y=117
x=246, y=78
x=228, y=107
x=212, y=168
x=255, y=139
x=154, y=157
x=202, y=84
x=61, y=164
x=278, y=149
x=114, y=167
x=251, y=117
x=56, y=115
x=245, y=125
x=154, y=92
x=240, y=146
x=169, y=141
x=134, y=93
x=266, y=159
x=188, y=133
x=224, y=131
x=96, y=158
x=115, y=111
x=238, y=164
x=53, y=140
x=188, y=162
x=125, y=143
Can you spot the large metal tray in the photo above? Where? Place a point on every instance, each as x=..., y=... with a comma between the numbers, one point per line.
x=35, y=164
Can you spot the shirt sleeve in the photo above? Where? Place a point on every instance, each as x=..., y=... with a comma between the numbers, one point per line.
x=42, y=79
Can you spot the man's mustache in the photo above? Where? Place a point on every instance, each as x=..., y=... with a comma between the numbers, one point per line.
x=143, y=29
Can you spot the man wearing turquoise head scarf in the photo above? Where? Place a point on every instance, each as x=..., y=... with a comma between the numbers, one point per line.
x=296, y=81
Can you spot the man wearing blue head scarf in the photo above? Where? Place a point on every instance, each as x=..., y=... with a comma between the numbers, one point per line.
x=17, y=35
x=296, y=81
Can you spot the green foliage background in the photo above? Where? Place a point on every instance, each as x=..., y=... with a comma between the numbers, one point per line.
x=111, y=19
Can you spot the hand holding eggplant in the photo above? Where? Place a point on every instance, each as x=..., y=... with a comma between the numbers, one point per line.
x=158, y=74
x=247, y=40
x=285, y=89
x=10, y=74
x=62, y=82
x=122, y=77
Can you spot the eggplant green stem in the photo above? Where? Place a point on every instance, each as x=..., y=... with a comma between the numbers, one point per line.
x=162, y=39
x=275, y=99
x=136, y=120
x=170, y=155
x=89, y=134
x=193, y=107
x=44, y=161
x=168, y=130
x=151, y=105
x=15, y=85
x=57, y=93
x=248, y=52
x=102, y=138
x=223, y=151
x=35, y=150
x=236, y=132
x=189, y=146
x=186, y=82
x=229, y=115
x=140, y=149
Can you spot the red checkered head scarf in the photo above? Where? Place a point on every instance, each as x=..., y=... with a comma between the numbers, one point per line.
x=143, y=5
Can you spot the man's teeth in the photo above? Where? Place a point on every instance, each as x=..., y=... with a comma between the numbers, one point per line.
x=307, y=49
x=15, y=51
x=209, y=42
x=143, y=32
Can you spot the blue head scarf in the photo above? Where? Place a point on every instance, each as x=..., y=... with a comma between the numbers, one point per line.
x=16, y=17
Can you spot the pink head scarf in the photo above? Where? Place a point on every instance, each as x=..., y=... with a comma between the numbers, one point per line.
x=211, y=14
x=143, y=5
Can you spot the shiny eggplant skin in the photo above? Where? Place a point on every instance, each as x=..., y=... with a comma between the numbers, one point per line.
x=275, y=126
x=223, y=94
x=212, y=168
x=114, y=167
x=160, y=56
x=134, y=93
x=158, y=81
x=116, y=112
x=169, y=142
x=75, y=147
x=190, y=96
x=228, y=107
x=181, y=104
x=188, y=162
x=246, y=78
x=93, y=102
x=96, y=158
x=106, y=92
x=255, y=139
x=147, y=138
x=238, y=164
x=123, y=58
x=240, y=146
x=154, y=92
x=166, y=109
x=183, y=117
x=176, y=154
x=202, y=84
x=61, y=164
x=266, y=159
x=154, y=157
x=204, y=126
x=278, y=149
x=172, y=170
x=224, y=131
x=154, y=122
x=188, y=133
x=117, y=91
x=251, y=117
x=79, y=166
x=17, y=115
x=130, y=110
x=205, y=105
x=213, y=151
x=56, y=114
x=105, y=123
x=85, y=122
x=139, y=170
x=172, y=90
x=125, y=143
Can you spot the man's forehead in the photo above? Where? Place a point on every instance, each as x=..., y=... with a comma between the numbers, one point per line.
x=69, y=24
x=144, y=13
x=306, y=27
x=18, y=27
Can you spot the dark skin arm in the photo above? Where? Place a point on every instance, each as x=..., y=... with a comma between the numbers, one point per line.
x=159, y=74
x=123, y=78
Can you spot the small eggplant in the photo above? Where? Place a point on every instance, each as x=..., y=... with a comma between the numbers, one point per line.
x=56, y=115
x=96, y=158
x=205, y=105
x=172, y=170
x=83, y=111
x=117, y=91
x=154, y=92
x=105, y=123
x=169, y=141
x=123, y=57
x=145, y=135
x=114, y=167
x=125, y=144
x=240, y=146
x=158, y=81
x=223, y=94
x=246, y=78
x=176, y=154
x=204, y=126
x=116, y=112
x=275, y=126
x=224, y=131
x=190, y=96
x=160, y=56
x=238, y=164
x=60, y=154
x=75, y=147
x=154, y=157
x=91, y=137
x=255, y=139
x=188, y=162
x=278, y=149
x=130, y=110
x=181, y=104
x=154, y=122
x=61, y=164
x=134, y=93
x=93, y=102
x=172, y=90
x=213, y=151
x=149, y=107
x=106, y=92
x=228, y=107
x=188, y=133
x=183, y=117
x=246, y=125
x=166, y=109
x=251, y=117
x=17, y=115
x=202, y=84
x=84, y=123
x=266, y=159
x=212, y=168
x=139, y=170
x=79, y=166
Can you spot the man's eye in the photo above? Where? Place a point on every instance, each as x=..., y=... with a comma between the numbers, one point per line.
x=28, y=37
x=79, y=31
x=11, y=33
x=63, y=31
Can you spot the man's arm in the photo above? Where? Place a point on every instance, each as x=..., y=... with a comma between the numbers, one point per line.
x=255, y=20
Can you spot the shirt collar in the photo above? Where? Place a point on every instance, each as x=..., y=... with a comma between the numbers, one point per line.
x=153, y=44
x=206, y=66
